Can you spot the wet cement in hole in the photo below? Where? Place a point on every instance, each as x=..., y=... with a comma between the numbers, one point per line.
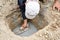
x=32, y=29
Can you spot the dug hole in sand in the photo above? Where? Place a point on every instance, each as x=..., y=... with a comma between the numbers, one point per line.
x=46, y=26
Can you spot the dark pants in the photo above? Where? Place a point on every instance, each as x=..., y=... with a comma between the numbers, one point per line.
x=21, y=4
x=41, y=1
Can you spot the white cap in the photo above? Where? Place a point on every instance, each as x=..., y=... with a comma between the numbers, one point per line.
x=32, y=9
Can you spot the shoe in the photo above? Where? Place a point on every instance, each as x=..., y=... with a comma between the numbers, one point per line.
x=24, y=29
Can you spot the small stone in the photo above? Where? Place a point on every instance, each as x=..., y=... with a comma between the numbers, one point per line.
x=40, y=34
x=46, y=36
